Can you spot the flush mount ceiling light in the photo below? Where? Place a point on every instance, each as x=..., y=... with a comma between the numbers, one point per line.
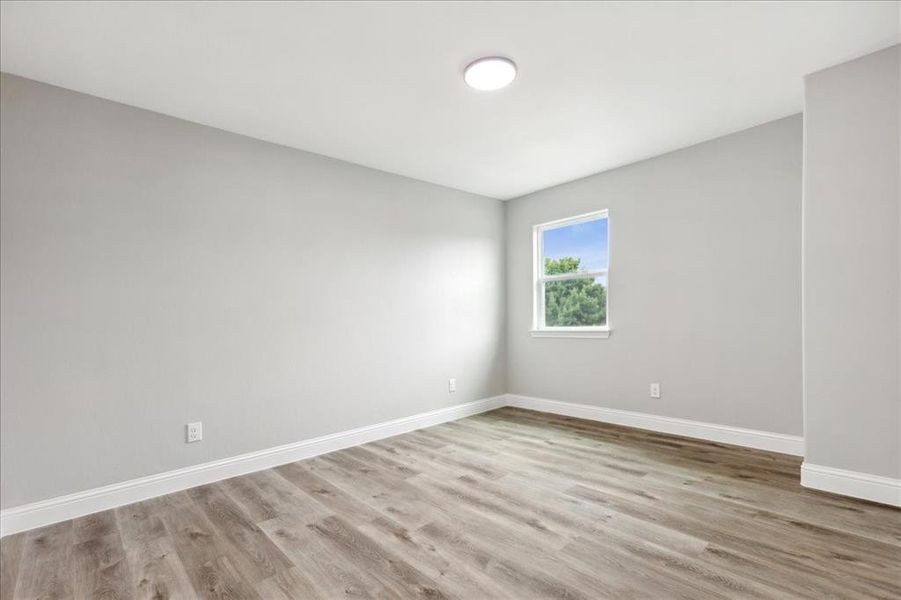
x=490, y=73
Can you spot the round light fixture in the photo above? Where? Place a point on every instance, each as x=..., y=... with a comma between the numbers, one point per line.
x=490, y=73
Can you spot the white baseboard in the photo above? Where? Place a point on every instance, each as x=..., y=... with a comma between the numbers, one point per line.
x=752, y=438
x=62, y=508
x=852, y=483
x=849, y=483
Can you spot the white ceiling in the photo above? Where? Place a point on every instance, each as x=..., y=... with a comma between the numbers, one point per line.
x=379, y=83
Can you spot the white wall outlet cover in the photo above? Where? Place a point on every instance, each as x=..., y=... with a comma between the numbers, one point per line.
x=451, y=385
x=194, y=432
x=655, y=390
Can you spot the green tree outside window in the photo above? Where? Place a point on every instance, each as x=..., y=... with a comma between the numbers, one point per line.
x=578, y=302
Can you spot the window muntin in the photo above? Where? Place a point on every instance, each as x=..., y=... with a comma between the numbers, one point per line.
x=572, y=263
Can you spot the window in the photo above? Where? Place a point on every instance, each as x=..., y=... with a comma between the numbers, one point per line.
x=572, y=262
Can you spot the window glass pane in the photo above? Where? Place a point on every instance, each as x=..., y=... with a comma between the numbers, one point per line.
x=573, y=248
x=576, y=302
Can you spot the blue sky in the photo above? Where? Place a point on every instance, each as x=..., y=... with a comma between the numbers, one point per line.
x=587, y=241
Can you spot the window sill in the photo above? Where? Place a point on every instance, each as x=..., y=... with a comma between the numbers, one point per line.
x=570, y=333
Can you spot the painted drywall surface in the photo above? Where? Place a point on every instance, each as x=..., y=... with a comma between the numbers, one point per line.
x=156, y=272
x=705, y=289
x=852, y=265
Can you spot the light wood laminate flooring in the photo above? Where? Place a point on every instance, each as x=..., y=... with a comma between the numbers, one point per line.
x=509, y=504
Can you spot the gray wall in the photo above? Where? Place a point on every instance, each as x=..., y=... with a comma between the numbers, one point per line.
x=852, y=265
x=705, y=288
x=156, y=272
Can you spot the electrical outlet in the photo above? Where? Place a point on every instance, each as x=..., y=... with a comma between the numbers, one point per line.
x=655, y=390
x=451, y=386
x=195, y=432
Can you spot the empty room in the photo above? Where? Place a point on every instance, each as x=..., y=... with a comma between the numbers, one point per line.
x=474, y=300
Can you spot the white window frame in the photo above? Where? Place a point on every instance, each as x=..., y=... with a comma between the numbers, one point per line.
x=539, y=279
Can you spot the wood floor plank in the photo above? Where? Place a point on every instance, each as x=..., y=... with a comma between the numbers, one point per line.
x=251, y=498
x=287, y=499
x=434, y=561
x=99, y=566
x=504, y=534
x=327, y=494
x=806, y=536
x=11, y=548
x=367, y=456
x=741, y=538
x=509, y=504
x=139, y=522
x=526, y=575
x=332, y=574
x=94, y=526
x=389, y=494
x=404, y=580
x=45, y=570
x=288, y=584
x=157, y=571
x=205, y=555
x=247, y=539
